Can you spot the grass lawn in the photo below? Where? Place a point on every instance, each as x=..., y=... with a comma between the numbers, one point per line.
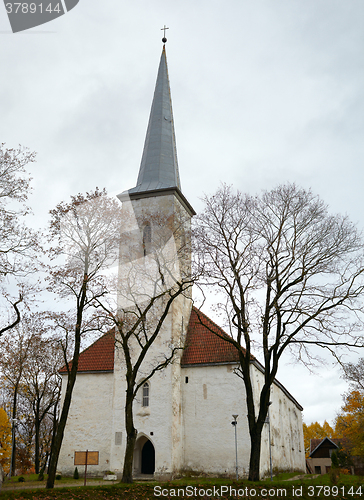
x=348, y=487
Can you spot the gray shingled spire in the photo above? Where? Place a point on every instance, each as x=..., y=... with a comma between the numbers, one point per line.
x=159, y=167
x=158, y=173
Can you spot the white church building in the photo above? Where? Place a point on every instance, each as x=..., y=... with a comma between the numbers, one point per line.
x=183, y=414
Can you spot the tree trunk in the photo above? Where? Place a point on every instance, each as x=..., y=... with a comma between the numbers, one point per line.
x=68, y=394
x=131, y=434
x=255, y=431
x=62, y=422
x=36, y=445
x=43, y=467
x=56, y=448
x=255, y=423
x=254, y=463
x=36, y=449
x=13, y=428
x=54, y=432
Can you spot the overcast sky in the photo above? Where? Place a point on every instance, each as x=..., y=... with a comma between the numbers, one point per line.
x=264, y=92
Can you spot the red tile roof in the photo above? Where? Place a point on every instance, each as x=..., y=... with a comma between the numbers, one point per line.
x=98, y=357
x=203, y=346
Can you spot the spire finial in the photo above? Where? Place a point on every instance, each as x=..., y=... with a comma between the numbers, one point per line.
x=164, y=39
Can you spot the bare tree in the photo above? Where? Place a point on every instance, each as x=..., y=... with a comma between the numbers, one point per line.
x=291, y=277
x=354, y=373
x=15, y=350
x=19, y=245
x=29, y=364
x=41, y=389
x=87, y=234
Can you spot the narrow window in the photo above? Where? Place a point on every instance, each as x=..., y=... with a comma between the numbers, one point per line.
x=204, y=391
x=186, y=380
x=147, y=238
x=118, y=438
x=146, y=394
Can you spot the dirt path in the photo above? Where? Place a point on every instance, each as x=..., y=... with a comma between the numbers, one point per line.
x=71, y=484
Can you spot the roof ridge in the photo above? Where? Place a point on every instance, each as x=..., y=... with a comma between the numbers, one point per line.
x=206, y=342
x=213, y=322
x=112, y=331
x=321, y=441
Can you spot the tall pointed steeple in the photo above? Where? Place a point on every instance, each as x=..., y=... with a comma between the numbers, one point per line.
x=158, y=172
x=159, y=167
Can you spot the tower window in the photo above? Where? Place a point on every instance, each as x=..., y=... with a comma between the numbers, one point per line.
x=147, y=239
x=146, y=394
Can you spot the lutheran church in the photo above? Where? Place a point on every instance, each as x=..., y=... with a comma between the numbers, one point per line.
x=184, y=413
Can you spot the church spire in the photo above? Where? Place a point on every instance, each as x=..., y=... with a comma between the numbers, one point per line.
x=158, y=172
x=159, y=167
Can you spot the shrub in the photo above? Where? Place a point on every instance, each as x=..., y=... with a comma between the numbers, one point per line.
x=76, y=474
x=345, y=471
x=21, y=479
x=334, y=475
x=58, y=477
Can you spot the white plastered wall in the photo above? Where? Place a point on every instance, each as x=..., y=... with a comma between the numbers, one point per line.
x=89, y=422
x=190, y=433
x=210, y=398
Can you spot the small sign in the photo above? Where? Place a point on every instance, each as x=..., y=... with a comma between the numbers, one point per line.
x=92, y=457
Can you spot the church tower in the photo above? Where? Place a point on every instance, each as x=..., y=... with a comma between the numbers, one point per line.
x=158, y=190
x=156, y=253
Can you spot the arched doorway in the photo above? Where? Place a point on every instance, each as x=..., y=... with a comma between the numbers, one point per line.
x=148, y=458
x=144, y=456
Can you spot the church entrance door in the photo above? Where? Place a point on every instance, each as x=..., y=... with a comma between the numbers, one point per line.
x=148, y=458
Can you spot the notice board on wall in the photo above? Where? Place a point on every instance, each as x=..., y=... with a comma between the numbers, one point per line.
x=86, y=458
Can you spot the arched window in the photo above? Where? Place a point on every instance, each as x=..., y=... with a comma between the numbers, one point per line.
x=147, y=238
x=146, y=394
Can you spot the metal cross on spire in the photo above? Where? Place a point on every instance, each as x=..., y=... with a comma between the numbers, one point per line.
x=164, y=39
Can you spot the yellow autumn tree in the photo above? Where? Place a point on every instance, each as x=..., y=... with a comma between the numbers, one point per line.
x=5, y=439
x=349, y=424
x=316, y=431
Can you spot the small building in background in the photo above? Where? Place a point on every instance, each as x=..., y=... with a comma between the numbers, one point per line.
x=321, y=450
x=319, y=460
